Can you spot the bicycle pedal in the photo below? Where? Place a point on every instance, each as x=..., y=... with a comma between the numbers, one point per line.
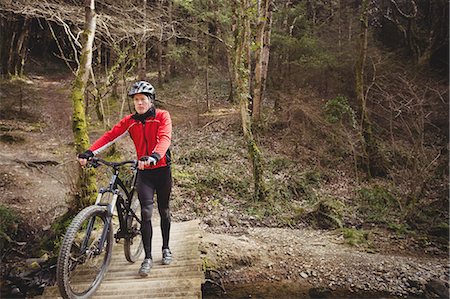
x=119, y=235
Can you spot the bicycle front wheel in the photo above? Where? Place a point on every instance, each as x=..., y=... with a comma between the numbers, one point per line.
x=82, y=264
x=133, y=245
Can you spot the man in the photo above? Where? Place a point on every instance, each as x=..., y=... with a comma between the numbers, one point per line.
x=151, y=131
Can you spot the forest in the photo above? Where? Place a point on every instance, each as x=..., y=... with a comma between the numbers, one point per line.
x=295, y=122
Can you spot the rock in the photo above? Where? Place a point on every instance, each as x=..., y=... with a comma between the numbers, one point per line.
x=418, y=283
x=34, y=263
x=319, y=292
x=15, y=291
x=437, y=288
x=34, y=266
x=303, y=275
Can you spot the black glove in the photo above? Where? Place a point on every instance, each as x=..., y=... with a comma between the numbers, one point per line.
x=152, y=159
x=88, y=155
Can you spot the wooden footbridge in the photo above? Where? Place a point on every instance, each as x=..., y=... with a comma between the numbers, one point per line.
x=181, y=279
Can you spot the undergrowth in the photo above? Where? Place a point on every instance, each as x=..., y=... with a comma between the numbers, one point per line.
x=9, y=224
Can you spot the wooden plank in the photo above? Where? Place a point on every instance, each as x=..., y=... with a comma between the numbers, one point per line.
x=181, y=279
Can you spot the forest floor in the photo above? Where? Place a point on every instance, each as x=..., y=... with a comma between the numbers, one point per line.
x=37, y=163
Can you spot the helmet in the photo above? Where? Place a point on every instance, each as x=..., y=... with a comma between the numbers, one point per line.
x=142, y=87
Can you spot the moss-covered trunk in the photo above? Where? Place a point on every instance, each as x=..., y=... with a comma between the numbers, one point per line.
x=86, y=181
x=266, y=48
x=241, y=70
x=263, y=12
x=373, y=161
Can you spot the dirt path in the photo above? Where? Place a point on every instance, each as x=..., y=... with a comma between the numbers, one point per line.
x=35, y=164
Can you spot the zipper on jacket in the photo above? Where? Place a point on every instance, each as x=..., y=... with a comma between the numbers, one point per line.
x=145, y=139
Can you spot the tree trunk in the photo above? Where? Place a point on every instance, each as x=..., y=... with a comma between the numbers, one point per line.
x=339, y=25
x=79, y=124
x=112, y=76
x=170, y=45
x=372, y=160
x=208, y=104
x=261, y=56
x=160, y=47
x=11, y=56
x=207, y=49
x=142, y=52
x=2, y=44
x=242, y=92
x=21, y=48
x=259, y=41
x=350, y=23
x=266, y=49
x=231, y=79
x=231, y=53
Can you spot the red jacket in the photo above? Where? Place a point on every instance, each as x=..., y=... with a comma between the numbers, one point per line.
x=151, y=137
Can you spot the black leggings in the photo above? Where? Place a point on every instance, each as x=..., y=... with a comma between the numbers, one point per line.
x=149, y=181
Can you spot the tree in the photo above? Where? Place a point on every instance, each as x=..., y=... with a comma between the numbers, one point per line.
x=142, y=64
x=79, y=125
x=241, y=74
x=372, y=159
x=14, y=45
x=261, y=55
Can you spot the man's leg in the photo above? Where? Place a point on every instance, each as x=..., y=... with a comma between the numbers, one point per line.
x=163, y=191
x=146, y=190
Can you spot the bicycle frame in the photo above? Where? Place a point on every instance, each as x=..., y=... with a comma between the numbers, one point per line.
x=123, y=206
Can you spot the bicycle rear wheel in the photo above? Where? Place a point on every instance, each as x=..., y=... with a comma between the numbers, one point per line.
x=81, y=264
x=133, y=245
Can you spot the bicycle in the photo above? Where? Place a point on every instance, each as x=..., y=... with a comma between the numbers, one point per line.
x=86, y=249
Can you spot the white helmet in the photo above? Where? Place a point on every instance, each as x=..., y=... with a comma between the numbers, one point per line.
x=142, y=87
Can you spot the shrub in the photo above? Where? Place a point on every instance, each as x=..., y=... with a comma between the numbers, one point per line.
x=327, y=213
x=354, y=237
x=338, y=110
x=9, y=222
x=379, y=205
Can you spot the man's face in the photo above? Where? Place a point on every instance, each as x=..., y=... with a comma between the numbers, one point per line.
x=141, y=103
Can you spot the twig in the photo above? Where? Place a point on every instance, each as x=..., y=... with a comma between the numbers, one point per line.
x=211, y=122
x=434, y=160
x=412, y=15
x=60, y=49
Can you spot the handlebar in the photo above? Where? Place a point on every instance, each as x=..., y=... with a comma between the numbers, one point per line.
x=95, y=162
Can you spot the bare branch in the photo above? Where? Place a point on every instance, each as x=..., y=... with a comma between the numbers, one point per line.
x=60, y=49
x=410, y=16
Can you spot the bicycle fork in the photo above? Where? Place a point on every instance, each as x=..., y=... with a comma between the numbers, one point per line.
x=110, y=210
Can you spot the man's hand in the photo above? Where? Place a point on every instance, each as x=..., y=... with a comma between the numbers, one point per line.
x=85, y=157
x=146, y=161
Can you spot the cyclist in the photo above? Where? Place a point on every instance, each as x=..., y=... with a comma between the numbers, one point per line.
x=151, y=131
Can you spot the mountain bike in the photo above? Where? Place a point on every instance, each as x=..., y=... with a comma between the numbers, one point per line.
x=86, y=249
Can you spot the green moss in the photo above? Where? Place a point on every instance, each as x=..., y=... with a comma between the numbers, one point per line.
x=12, y=138
x=9, y=222
x=294, y=186
x=52, y=242
x=400, y=229
x=379, y=205
x=355, y=237
x=208, y=264
x=328, y=213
